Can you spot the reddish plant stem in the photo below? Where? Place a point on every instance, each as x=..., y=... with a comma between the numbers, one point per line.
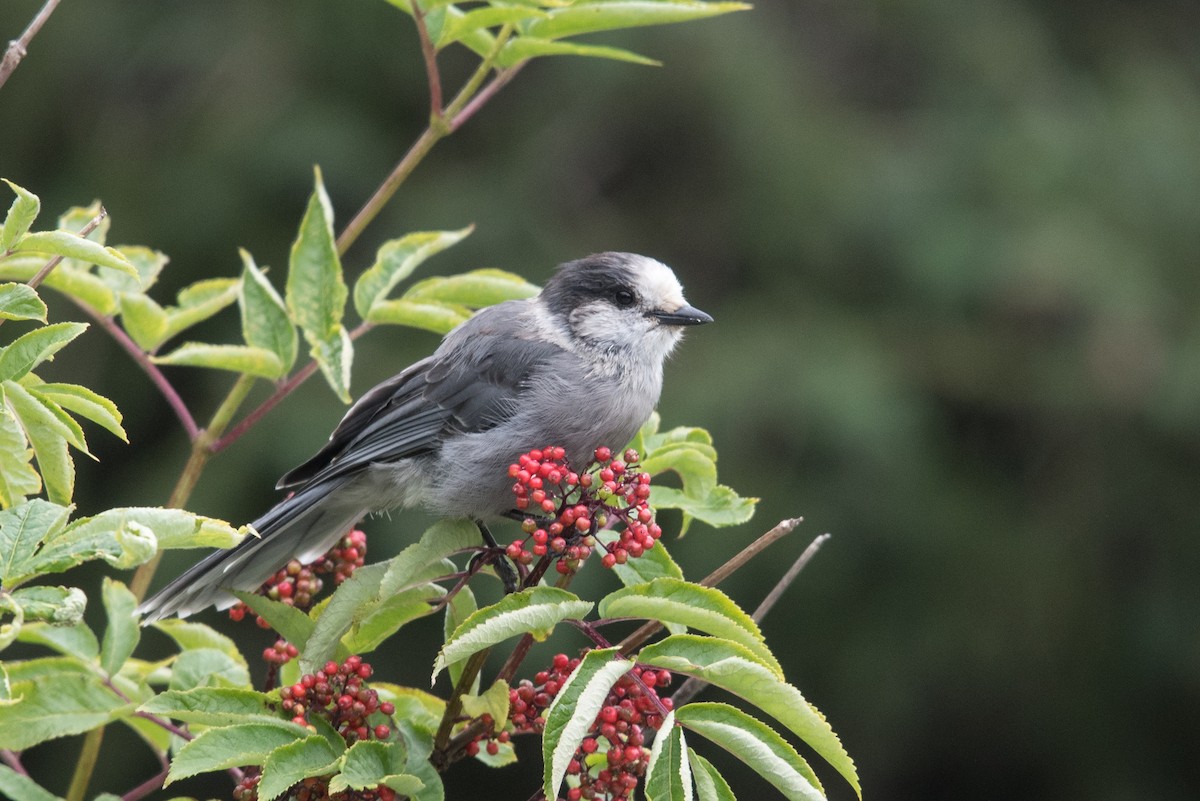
x=13, y=760
x=497, y=83
x=431, y=66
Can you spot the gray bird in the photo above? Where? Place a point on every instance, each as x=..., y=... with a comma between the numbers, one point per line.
x=580, y=365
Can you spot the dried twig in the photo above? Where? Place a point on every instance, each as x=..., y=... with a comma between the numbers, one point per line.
x=17, y=48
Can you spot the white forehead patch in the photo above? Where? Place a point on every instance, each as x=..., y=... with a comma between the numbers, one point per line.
x=658, y=284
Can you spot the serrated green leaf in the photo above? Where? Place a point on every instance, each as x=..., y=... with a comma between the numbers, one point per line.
x=18, y=479
x=756, y=744
x=732, y=667
x=21, y=214
x=494, y=702
x=21, y=302
x=316, y=292
x=144, y=320
x=385, y=617
x=76, y=218
x=22, y=788
x=444, y=538
x=652, y=564
x=695, y=464
x=83, y=286
x=169, y=528
x=440, y=318
x=211, y=706
x=147, y=262
x=291, y=624
x=334, y=356
x=475, y=289
x=370, y=763
x=233, y=746
x=573, y=711
x=710, y=784
x=200, y=301
x=525, y=47
x=45, y=433
x=46, y=668
x=606, y=15
x=265, y=321
x=59, y=606
x=705, y=609
x=536, y=610
x=189, y=635
x=208, y=667
x=86, y=403
x=122, y=634
x=76, y=641
x=10, y=630
x=396, y=260
x=456, y=27
x=22, y=531
x=294, y=762
x=69, y=245
x=721, y=507
x=339, y=614
x=39, y=345
x=46, y=710
x=61, y=422
x=668, y=774
x=64, y=547
x=236, y=358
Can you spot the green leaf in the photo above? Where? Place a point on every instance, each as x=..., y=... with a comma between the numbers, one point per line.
x=294, y=762
x=339, y=614
x=710, y=784
x=146, y=322
x=316, y=293
x=571, y=715
x=236, y=358
x=732, y=667
x=721, y=507
x=11, y=630
x=46, y=411
x=198, y=302
x=76, y=218
x=69, y=245
x=668, y=775
x=45, y=432
x=22, y=788
x=171, y=528
x=705, y=609
x=695, y=463
x=21, y=302
x=291, y=624
x=373, y=625
x=45, y=710
x=18, y=479
x=76, y=641
x=444, y=538
x=59, y=606
x=21, y=214
x=46, y=668
x=396, y=260
x=461, y=606
x=22, y=531
x=148, y=264
x=334, y=356
x=209, y=667
x=652, y=564
x=122, y=543
x=494, y=702
x=756, y=744
x=525, y=47
x=189, y=635
x=123, y=632
x=265, y=321
x=86, y=403
x=456, y=27
x=39, y=345
x=83, y=286
x=370, y=763
x=233, y=746
x=606, y=15
x=536, y=610
x=440, y=318
x=475, y=289
x=211, y=706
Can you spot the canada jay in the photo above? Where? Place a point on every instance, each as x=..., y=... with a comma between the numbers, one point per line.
x=580, y=365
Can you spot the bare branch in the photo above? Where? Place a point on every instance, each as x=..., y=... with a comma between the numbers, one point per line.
x=18, y=48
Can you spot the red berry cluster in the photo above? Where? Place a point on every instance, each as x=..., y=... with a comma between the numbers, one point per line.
x=613, y=756
x=297, y=584
x=577, y=504
x=282, y=651
x=337, y=693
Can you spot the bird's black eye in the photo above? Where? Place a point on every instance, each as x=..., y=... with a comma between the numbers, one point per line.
x=623, y=298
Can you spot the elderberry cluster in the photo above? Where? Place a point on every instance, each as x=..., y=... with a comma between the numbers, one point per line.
x=573, y=506
x=613, y=756
x=297, y=584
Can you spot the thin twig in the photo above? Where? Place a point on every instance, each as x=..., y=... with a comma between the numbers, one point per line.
x=13, y=760
x=18, y=48
x=429, y=52
x=147, y=787
x=650, y=628
x=497, y=83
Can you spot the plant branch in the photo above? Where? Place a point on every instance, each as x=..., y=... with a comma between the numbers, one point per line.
x=497, y=83
x=147, y=787
x=649, y=629
x=13, y=760
x=18, y=48
x=429, y=52
x=89, y=753
x=454, y=704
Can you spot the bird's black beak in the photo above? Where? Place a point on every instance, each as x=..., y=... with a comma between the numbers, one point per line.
x=684, y=315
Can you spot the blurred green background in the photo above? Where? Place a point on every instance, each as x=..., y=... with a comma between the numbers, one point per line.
x=952, y=253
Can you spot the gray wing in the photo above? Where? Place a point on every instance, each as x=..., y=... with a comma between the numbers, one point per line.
x=472, y=383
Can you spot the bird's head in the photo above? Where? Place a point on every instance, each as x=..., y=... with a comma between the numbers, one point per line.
x=618, y=301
